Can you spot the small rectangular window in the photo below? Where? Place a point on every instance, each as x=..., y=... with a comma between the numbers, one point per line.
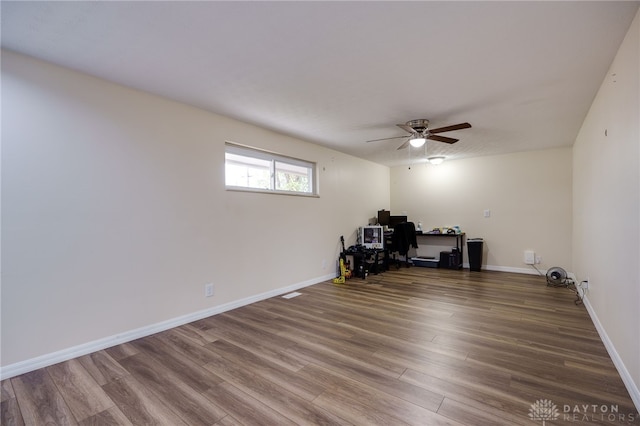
x=256, y=170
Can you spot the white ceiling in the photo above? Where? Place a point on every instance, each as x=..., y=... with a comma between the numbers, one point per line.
x=340, y=73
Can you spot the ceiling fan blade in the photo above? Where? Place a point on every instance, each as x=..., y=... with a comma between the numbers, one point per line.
x=404, y=145
x=386, y=139
x=406, y=128
x=450, y=128
x=442, y=139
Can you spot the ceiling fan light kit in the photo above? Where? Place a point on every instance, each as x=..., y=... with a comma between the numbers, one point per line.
x=417, y=142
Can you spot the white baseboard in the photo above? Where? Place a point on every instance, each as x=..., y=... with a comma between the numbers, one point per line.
x=631, y=386
x=628, y=381
x=529, y=271
x=46, y=360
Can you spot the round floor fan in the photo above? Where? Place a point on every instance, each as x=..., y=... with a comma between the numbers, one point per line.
x=557, y=277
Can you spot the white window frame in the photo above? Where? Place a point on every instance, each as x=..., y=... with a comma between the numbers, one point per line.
x=242, y=155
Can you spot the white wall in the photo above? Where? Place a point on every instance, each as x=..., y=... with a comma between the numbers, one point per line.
x=115, y=215
x=606, y=202
x=528, y=195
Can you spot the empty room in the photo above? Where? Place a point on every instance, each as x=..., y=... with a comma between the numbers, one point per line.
x=270, y=213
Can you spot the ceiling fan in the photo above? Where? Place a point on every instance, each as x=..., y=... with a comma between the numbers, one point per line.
x=420, y=132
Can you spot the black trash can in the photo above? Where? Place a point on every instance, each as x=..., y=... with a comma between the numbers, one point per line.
x=474, y=247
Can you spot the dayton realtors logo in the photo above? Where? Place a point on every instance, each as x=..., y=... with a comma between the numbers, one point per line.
x=544, y=410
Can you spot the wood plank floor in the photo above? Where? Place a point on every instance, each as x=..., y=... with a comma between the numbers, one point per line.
x=415, y=346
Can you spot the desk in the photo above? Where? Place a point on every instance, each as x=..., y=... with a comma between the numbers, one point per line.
x=367, y=261
x=458, y=237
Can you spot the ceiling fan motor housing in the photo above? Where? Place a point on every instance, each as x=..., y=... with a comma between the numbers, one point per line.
x=418, y=125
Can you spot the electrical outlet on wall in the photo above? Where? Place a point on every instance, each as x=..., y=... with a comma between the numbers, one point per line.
x=208, y=290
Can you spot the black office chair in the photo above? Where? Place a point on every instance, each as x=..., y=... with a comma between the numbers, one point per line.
x=403, y=238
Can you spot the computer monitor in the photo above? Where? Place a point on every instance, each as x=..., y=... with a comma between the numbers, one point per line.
x=372, y=236
x=383, y=217
x=394, y=220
